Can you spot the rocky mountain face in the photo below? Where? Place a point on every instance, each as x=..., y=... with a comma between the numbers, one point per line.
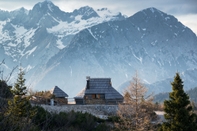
x=152, y=42
x=59, y=48
x=32, y=37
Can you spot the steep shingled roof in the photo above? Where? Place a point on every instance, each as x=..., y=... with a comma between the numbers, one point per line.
x=58, y=92
x=100, y=86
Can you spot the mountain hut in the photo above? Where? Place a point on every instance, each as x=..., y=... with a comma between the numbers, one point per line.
x=60, y=97
x=98, y=91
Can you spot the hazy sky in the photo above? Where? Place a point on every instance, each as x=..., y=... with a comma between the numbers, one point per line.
x=184, y=10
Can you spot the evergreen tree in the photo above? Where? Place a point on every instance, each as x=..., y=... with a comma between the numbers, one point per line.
x=19, y=87
x=19, y=108
x=178, y=110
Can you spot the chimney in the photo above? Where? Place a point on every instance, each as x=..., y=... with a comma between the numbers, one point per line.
x=88, y=80
x=87, y=77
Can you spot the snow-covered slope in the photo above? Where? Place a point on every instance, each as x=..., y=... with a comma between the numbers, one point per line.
x=61, y=48
x=32, y=37
x=152, y=42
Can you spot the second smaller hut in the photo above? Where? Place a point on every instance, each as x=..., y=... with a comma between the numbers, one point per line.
x=60, y=97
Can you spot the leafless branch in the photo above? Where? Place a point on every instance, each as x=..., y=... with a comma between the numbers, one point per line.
x=9, y=76
x=3, y=62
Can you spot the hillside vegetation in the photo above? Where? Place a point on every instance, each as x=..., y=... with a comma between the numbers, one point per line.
x=164, y=96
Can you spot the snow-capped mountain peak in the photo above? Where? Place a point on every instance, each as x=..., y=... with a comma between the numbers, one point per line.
x=46, y=7
x=155, y=14
x=71, y=45
x=106, y=13
x=42, y=31
x=152, y=9
x=20, y=10
x=86, y=12
x=152, y=42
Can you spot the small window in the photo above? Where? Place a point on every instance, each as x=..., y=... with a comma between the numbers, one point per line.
x=93, y=96
x=86, y=97
x=98, y=96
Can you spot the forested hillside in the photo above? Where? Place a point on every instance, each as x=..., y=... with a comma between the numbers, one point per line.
x=164, y=96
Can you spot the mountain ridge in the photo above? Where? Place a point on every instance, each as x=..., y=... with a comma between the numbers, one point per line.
x=23, y=25
x=70, y=47
x=101, y=52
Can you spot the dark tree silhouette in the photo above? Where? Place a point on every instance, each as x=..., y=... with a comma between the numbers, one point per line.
x=179, y=114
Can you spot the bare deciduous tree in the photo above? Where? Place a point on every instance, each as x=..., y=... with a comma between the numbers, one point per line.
x=136, y=113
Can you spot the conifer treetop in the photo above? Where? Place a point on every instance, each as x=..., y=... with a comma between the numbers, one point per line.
x=179, y=114
x=19, y=86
